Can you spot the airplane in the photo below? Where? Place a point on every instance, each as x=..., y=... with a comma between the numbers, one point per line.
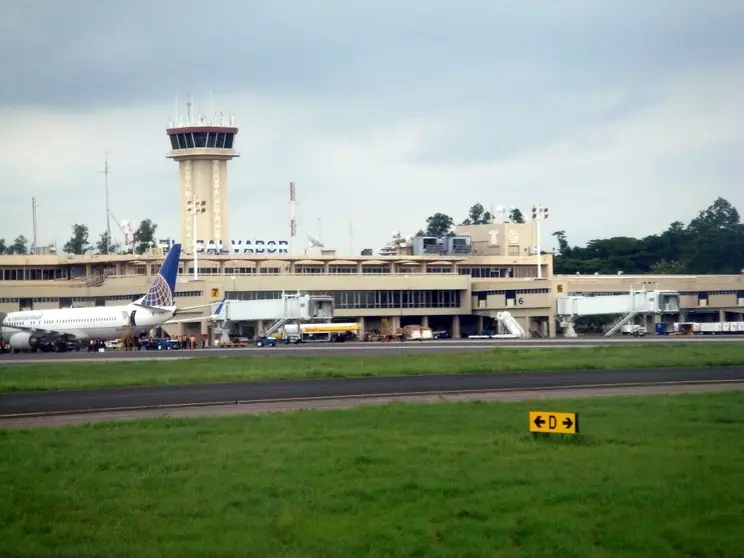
x=34, y=329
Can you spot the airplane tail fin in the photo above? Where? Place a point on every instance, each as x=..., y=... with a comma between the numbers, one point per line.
x=220, y=306
x=163, y=288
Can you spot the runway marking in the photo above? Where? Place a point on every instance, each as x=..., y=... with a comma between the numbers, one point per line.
x=360, y=396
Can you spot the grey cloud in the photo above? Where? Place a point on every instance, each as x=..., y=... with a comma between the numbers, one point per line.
x=499, y=77
x=90, y=52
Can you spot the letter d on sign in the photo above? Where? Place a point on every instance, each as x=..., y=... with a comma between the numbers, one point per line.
x=552, y=422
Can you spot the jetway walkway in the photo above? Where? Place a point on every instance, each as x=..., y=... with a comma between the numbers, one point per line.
x=291, y=307
x=625, y=306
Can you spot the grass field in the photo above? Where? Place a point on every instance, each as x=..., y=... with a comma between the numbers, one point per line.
x=654, y=476
x=205, y=370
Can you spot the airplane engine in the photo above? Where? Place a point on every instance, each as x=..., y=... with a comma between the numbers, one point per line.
x=22, y=341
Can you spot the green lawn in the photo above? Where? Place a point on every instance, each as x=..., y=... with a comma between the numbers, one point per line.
x=652, y=476
x=243, y=368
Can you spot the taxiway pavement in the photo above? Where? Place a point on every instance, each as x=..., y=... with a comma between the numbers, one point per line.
x=120, y=399
x=357, y=348
x=264, y=407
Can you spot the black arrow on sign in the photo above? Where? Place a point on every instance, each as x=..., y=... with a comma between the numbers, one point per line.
x=567, y=422
x=539, y=421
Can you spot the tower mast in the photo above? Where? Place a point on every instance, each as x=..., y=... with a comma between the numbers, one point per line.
x=293, y=216
x=33, y=214
x=108, y=211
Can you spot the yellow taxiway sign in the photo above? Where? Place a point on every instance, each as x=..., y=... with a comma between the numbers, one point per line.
x=554, y=423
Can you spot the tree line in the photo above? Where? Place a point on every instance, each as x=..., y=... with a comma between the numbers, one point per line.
x=711, y=243
x=79, y=242
x=441, y=224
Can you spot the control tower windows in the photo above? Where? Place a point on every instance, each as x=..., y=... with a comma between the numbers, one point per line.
x=200, y=139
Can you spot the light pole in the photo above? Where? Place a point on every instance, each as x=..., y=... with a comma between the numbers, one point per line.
x=539, y=213
x=195, y=207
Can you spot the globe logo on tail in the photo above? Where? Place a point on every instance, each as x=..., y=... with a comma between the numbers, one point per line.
x=159, y=294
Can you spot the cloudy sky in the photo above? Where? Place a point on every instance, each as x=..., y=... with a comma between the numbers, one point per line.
x=620, y=116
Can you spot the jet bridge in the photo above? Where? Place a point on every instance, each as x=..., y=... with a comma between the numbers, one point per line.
x=626, y=306
x=291, y=307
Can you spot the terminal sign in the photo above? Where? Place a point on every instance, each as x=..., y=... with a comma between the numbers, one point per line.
x=242, y=247
x=554, y=423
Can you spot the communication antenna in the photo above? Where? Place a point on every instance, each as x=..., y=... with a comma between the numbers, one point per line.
x=33, y=215
x=293, y=216
x=313, y=243
x=106, y=171
x=210, y=117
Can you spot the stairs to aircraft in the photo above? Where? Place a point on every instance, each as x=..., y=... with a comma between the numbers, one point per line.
x=620, y=322
x=275, y=326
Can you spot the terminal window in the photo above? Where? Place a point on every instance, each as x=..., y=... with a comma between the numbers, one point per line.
x=396, y=299
x=486, y=272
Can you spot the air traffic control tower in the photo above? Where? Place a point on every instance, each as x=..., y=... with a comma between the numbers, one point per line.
x=202, y=148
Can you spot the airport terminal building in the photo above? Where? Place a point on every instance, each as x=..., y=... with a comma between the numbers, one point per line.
x=457, y=284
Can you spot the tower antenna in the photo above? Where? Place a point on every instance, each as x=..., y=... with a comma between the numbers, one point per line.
x=293, y=216
x=210, y=115
x=106, y=171
x=33, y=215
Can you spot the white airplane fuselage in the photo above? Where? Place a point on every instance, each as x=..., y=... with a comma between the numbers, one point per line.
x=80, y=324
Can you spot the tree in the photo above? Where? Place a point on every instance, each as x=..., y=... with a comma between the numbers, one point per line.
x=144, y=235
x=664, y=267
x=105, y=245
x=3, y=247
x=19, y=246
x=478, y=216
x=367, y=252
x=439, y=225
x=563, y=247
x=515, y=216
x=78, y=243
x=713, y=242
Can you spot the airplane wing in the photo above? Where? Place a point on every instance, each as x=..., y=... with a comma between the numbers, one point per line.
x=188, y=308
x=195, y=319
x=195, y=307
